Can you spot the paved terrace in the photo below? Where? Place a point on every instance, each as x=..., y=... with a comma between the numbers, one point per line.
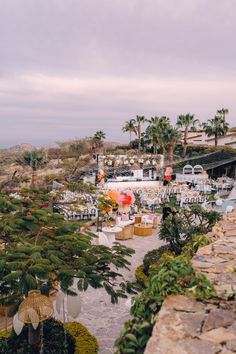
x=98, y=314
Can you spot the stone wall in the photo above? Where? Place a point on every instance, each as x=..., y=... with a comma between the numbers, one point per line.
x=187, y=326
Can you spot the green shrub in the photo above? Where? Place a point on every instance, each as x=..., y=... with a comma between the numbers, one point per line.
x=165, y=258
x=141, y=277
x=153, y=257
x=78, y=340
x=53, y=340
x=85, y=342
x=176, y=276
x=191, y=247
x=178, y=229
x=134, y=337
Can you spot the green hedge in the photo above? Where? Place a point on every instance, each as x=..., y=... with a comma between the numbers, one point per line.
x=78, y=340
x=167, y=274
x=85, y=342
x=191, y=247
x=153, y=257
x=175, y=276
x=141, y=277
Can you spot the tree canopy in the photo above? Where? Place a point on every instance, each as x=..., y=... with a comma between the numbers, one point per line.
x=41, y=250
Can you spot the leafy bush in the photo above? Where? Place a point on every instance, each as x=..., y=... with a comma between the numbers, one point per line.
x=85, y=342
x=134, y=336
x=191, y=247
x=202, y=217
x=176, y=276
x=153, y=257
x=34, y=258
x=165, y=258
x=178, y=229
x=53, y=340
x=140, y=275
x=75, y=339
x=171, y=231
x=168, y=274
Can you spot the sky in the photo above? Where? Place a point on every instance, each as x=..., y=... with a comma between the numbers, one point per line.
x=71, y=67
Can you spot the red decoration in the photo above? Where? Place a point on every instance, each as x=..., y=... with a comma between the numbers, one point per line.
x=125, y=199
x=168, y=178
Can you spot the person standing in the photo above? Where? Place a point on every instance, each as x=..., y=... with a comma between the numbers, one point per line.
x=166, y=211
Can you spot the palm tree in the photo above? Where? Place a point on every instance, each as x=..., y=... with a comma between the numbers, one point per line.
x=129, y=127
x=187, y=122
x=216, y=127
x=100, y=135
x=97, y=140
x=172, y=136
x=138, y=122
x=35, y=161
x=155, y=130
x=223, y=112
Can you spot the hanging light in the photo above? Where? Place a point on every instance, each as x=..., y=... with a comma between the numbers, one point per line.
x=74, y=305
x=17, y=325
x=35, y=325
x=59, y=301
x=35, y=308
x=131, y=161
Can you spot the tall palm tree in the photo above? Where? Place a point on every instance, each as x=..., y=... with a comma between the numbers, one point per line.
x=100, y=135
x=97, y=140
x=129, y=127
x=172, y=136
x=187, y=122
x=35, y=161
x=138, y=122
x=223, y=112
x=216, y=127
x=155, y=130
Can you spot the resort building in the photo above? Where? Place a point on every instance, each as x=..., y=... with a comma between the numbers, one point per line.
x=199, y=137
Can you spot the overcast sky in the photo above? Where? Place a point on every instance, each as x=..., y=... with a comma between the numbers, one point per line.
x=71, y=67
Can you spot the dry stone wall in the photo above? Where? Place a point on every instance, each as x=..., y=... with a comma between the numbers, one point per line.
x=187, y=326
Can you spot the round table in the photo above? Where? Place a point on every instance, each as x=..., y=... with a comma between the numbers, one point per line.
x=110, y=233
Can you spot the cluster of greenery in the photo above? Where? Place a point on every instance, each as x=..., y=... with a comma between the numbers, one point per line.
x=161, y=135
x=174, y=276
x=74, y=338
x=141, y=277
x=167, y=271
x=85, y=342
x=41, y=250
x=178, y=229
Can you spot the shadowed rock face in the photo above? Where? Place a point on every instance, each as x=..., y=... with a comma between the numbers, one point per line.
x=185, y=326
